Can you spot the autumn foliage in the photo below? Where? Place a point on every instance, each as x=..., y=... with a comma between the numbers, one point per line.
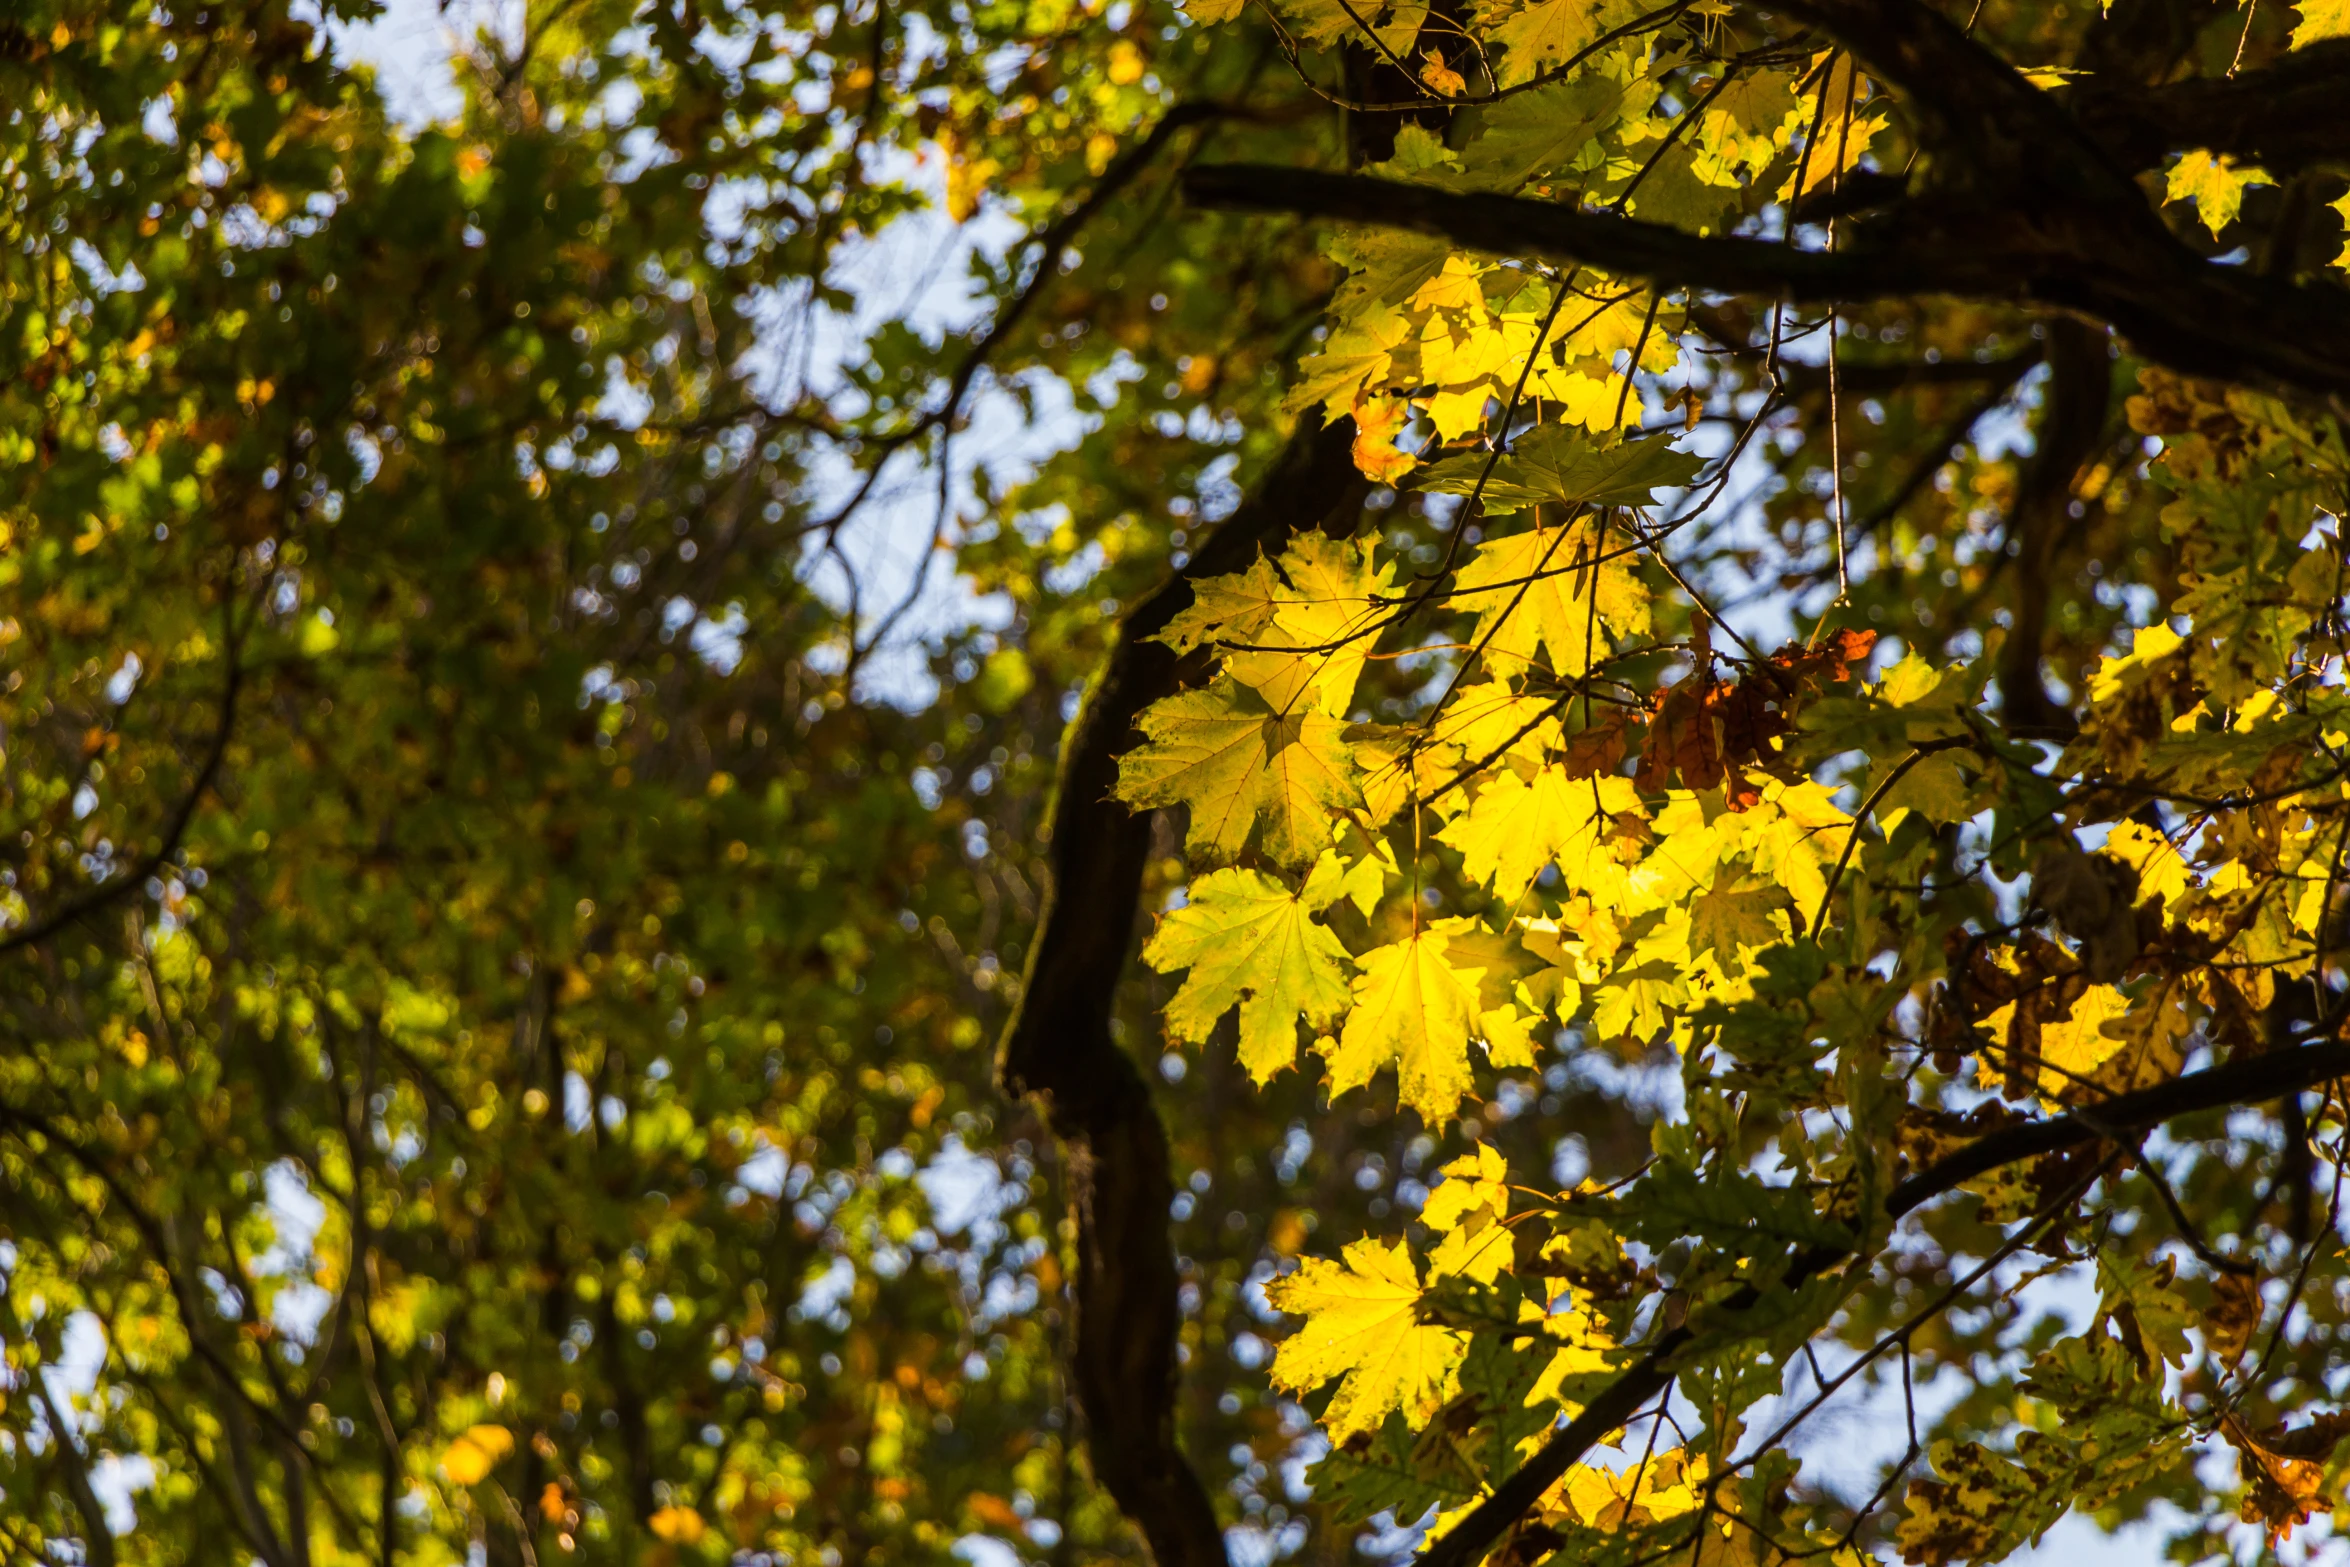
x=1244, y=782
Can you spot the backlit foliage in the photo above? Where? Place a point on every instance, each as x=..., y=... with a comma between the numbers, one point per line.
x=1753, y=862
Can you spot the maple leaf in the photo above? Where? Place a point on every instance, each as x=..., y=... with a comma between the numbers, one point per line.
x=1442, y=78
x=1796, y=832
x=1412, y=1009
x=1305, y=624
x=1251, y=942
x=1514, y=826
x=1237, y=608
x=1548, y=589
x=2067, y=1049
x=1362, y=1324
x=1467, y=1208
x=1378, y=420
x=1244, y=771
x=1542, y=34
x=1489, y=719
x=1400, y=763
x=1542, y=132
x=2215, y=185
x=2320, y=20
x=1734, y=916
x=1550, y=463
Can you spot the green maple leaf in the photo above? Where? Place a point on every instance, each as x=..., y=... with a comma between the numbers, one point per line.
x=1540, y=132
x=1551, y=463
x=1734, y=916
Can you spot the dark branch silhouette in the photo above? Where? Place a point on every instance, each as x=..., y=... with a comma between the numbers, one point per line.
x=1058, y=1046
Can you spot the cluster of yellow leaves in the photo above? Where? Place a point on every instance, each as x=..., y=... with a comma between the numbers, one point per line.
x=1366, y=1321
x=1458, y=339
x=1265, y=764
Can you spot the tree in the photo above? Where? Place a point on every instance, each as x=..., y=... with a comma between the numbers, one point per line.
x=1737, y=611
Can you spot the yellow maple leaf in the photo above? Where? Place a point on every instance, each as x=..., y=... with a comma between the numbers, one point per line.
x=2159, y=867
x=1541, y=35
x=1467, y=1209
x=1414, y=1009
x=1378, y=421
x=1442, y=78
x=1489, y=717
x=2076, y=1047
x=2215, y=185
x=1354, y=361
x=2321, y=19
x=1237, y=607
x=1362, y=1324
x=1796, y=834
x=1304, y=624
x=469, y=1459
x=1591, y=857
x=1400, y=763
x=2343, y=208
x=1841, y=143
x=1548, y=589
x=1469, y=348
x=1664, y=1485
x=1251, y=942
x=1333, y=611
x=1515, y=826
x=1245, y=772
x=1454, y=411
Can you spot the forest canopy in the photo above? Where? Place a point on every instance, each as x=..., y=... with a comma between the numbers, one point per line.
x=1085, y=781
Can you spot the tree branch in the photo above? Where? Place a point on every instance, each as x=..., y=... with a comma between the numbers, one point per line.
x=2113, y=262
x=1058, y=1045
x=95, y=898
x=2285, y=117
x=2246, y=1081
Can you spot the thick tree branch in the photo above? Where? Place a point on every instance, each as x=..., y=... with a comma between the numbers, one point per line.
x=1058, y=1045
x=2286, y=117
x=2114, y=262
x=2071, y=429
x=1991, y=131
x=2248, y=1081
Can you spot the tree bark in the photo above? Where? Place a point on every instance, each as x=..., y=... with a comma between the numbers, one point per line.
x=1059, y=1047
